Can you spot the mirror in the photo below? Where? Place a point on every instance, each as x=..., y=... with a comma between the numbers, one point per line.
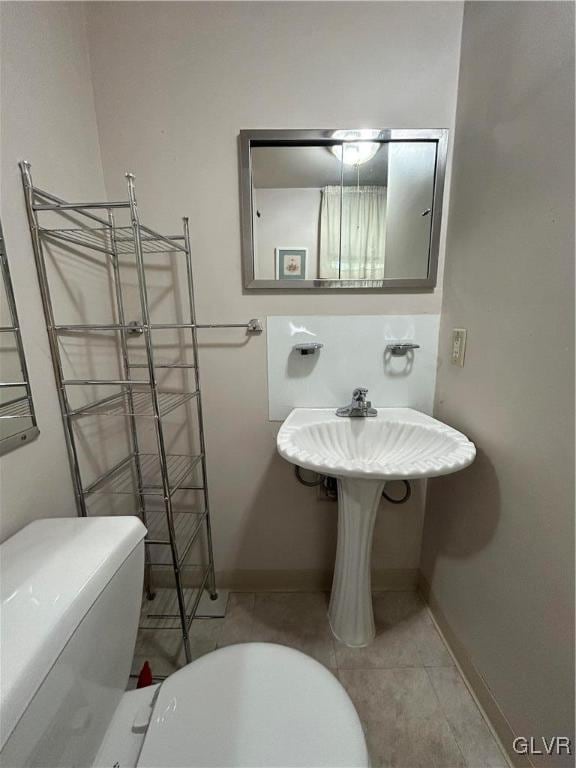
x=17, y=417
x=341, y=209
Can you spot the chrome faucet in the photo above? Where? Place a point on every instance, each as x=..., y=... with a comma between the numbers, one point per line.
x=359, y=407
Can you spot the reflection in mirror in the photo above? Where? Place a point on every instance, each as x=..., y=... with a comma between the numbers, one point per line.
x=324, y=210
x=17, y=417
x=357, y=249
x=288, y=185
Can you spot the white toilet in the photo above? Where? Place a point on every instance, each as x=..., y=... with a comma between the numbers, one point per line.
x=70, y=603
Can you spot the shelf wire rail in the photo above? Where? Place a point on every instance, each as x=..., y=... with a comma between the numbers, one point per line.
x=18, y=408
x=149, y=477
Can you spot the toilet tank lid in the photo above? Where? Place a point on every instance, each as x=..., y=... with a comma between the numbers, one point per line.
x=51, y=573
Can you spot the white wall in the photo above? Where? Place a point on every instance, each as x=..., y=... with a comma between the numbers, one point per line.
x=499, y=543
x=174, y=84
x=48, y=118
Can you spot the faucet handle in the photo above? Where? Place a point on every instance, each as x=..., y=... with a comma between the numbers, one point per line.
x=359, y=393
x=359, y=405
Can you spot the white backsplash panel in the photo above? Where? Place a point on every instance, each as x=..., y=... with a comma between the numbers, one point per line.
x=354, y=355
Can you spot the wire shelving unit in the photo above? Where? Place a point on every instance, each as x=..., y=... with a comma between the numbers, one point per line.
x=17, y=408
x=156, y=478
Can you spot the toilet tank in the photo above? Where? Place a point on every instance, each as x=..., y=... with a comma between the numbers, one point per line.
x=70, y=595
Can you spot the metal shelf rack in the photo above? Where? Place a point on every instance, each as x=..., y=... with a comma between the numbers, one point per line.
x=18, y=409
x=153, y=479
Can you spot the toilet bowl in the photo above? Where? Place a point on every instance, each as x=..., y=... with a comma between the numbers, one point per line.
x=70, y=600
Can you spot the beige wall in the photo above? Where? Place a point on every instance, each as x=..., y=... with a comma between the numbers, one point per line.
x=290, y=218
x=48, y=118
x=499, y=537
x=174, y=84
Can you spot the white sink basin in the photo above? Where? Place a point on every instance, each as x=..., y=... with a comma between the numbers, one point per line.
x=363, y=454
x=399, y=443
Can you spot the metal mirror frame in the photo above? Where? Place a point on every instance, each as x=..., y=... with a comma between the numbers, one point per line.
x=324, y=138
x=23, y=436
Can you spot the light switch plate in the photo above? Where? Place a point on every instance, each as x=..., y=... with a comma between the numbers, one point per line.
x=459, y=346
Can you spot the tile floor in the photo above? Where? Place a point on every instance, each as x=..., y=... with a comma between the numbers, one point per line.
x=415, y=708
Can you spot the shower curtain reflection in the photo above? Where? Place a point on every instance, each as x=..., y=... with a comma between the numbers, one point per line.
x=353, y=232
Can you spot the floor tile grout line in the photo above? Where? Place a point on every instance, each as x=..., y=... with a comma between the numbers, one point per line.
x=471, y=691
x=448, y=723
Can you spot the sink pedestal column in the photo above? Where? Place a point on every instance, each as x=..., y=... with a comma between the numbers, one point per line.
x=350, y=612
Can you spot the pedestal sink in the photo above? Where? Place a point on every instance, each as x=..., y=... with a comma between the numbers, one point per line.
x=363, y=454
